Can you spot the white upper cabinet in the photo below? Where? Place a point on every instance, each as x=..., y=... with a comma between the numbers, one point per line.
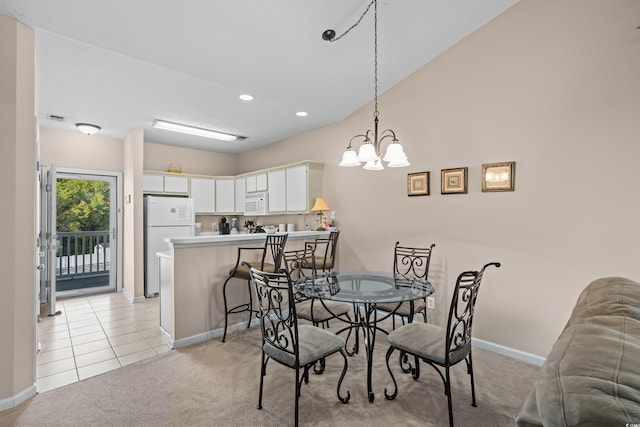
x=225, y=195
x=158, y=183
x=277, y=191
x=240, y=192
x=203, y=192
x=297, y=192
x=256, y=182
x=292, y=188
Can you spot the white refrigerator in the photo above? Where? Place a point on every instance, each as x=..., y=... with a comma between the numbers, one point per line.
x=165, y=217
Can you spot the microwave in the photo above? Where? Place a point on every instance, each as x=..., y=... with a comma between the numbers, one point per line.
x=256, y=204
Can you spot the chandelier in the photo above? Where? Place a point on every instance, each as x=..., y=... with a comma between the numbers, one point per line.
x=370, y=150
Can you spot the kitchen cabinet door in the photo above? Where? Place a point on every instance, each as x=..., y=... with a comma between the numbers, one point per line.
x=251, y=183
x=297, y=195
x=261, y=182
x=225, y=195
x=176, y=184
x=203, y=192
x=277, y=191
x=153, y=183
x=240, y=192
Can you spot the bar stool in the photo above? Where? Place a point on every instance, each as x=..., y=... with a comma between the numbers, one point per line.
x=274, y=244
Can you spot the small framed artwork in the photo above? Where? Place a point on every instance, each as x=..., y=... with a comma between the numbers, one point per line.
x=498, y=176
x=453, y=181
x=418, y=184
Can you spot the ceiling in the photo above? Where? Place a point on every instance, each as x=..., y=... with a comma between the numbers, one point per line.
x=120, y=64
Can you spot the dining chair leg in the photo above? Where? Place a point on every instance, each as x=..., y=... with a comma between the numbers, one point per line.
x=393, y=395
x=263, y=372
x=226, y=310
x=297, y=395
x=469, y=361
x=344, y=372
x=250, y=308
x=447, y=390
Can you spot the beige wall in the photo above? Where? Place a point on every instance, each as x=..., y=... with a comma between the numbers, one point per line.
x=157, y=157
x=550, y=85
x=133, y=221
x=17, y=212
x=73, y=149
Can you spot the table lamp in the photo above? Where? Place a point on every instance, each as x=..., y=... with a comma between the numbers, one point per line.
x=319, y=206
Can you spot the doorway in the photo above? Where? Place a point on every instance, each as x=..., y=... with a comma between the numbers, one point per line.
x=80, y=220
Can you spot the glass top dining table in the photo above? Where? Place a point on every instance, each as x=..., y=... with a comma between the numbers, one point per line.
x=365, y=290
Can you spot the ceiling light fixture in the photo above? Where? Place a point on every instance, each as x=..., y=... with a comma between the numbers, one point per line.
x=88, y=128
x=369, y=152
x=207, y=133
x=302, y=114
x=246, y=97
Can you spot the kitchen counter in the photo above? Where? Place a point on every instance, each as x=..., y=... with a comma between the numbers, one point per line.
x=196, y=270
x=225, y=239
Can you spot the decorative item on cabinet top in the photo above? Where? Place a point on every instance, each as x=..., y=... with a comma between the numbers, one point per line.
x=174, y=168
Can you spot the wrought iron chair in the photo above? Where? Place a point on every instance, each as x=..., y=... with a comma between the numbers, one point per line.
x=298, y=347
x=274, y=244
x=411, y=263
x=439, y=347
x=324, y=253
x=316, y=312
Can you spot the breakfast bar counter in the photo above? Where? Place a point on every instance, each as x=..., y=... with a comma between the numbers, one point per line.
x=197, y=269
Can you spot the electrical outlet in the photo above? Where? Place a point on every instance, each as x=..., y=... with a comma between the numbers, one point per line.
x=431, y=303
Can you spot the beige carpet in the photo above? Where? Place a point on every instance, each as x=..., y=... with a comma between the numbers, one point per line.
x=215, y=384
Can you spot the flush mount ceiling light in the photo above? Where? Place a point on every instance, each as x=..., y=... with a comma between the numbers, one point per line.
x=207, y=133
x=246, y=97
x=302, y=114
x=369, y=152
x=88, y=128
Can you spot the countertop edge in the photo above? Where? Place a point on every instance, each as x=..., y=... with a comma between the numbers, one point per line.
x=225, y=239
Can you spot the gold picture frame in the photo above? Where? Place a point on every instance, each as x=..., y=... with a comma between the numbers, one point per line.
x=453, y=181
x=498, y=176
x=418, y=184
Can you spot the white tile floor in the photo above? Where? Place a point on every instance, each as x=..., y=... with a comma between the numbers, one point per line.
x=96, y=334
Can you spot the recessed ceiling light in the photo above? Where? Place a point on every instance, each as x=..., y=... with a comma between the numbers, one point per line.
x=191, y=130
x=246, y=97
x=302, y=114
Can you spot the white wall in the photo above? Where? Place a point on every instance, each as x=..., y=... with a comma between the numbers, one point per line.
x=550, y=85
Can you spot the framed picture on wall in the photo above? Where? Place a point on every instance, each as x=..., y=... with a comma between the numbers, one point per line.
x=418, y=184
x=453, y=181
x=498, y=176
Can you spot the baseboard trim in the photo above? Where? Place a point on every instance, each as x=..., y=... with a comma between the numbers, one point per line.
x=12, y=402
x=214, y=333
x=508, y=351
x=131, y=298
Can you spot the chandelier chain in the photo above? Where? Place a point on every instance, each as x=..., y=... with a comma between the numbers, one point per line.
x=375, y=57
x=335, y=39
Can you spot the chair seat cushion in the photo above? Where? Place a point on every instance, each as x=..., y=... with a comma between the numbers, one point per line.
x=405, y=307
x=307, y=262
x=320, y=313
x=314, y=344
x=243, y=271
x=425, y=340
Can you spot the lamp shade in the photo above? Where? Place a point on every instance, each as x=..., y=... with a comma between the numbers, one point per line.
x=374, y=165
x=367, y=152
x=320, y=205
x=349, y=158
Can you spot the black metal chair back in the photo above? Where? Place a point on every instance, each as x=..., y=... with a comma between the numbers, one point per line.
x=277, y=312
x=461, y=310
x=412, y=262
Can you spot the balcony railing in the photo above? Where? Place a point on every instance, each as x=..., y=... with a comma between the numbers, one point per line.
x=83, y=252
